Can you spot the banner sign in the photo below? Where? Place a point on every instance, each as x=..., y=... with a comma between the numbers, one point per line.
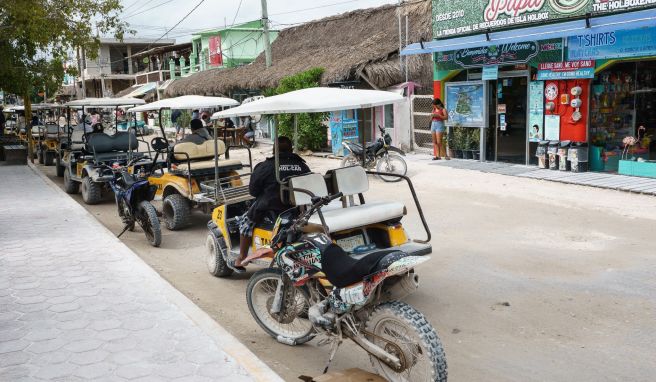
x=216, y=55
x=615, y=44
x=506, y=54
x=457, y=18
x=490, y=73
x=465, y=104
x=536, y=111
x=566, y=70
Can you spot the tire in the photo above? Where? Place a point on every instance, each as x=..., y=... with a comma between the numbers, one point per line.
x=394, y=164
x=268, y=278
x=216, y=263
x=91, y=191
x=59, y=167
x=427, y=348
x=149, y=223
x=176, y=211
x=349, y=160
x=49, y=158
x=70, y=186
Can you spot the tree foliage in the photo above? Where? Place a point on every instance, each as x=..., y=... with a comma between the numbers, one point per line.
x=311, y=130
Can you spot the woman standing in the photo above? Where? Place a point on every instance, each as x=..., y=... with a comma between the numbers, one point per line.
x=438, y=128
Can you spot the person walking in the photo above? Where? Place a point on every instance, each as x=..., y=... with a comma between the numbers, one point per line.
x=439, y=115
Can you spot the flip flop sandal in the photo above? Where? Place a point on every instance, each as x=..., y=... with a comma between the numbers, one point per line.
x=231, y=264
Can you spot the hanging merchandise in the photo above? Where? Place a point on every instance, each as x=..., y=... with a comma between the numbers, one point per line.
x=551, y=91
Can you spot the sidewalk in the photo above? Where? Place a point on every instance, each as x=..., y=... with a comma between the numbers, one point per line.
x=76, y=304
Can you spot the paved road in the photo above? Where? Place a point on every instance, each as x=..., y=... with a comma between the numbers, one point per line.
x=76, y=304
x=529, y=281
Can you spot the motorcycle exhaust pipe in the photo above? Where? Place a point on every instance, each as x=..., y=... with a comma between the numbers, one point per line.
x=405, y=286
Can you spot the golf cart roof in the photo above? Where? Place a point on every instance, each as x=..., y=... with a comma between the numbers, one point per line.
x=187, y=102
x=38, y=106
x=314, y=100
x=106, y=102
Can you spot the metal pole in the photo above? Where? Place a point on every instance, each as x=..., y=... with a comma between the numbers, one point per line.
x=296, y=133
x=216, y=164
x=398, y=11
x=406, y=44
x=267, y=39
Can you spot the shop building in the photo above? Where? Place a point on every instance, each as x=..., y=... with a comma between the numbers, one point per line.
x=554, y=70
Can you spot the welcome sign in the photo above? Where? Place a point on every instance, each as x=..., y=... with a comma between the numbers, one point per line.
x=464, y=17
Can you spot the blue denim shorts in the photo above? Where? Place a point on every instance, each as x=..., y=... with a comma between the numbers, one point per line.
x=437, y=127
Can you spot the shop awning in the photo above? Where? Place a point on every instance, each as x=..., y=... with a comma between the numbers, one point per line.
x=599, y=24
x=142, y=90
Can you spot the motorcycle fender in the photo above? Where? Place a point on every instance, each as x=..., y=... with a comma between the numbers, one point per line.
x=391, y=149
x=405, y=264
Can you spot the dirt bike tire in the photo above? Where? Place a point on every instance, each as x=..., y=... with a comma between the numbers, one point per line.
x=149, y=217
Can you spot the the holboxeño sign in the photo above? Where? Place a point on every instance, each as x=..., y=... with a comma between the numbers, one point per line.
x=464, y=17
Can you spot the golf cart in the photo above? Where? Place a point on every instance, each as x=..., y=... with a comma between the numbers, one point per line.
x=190, y=165
x=47, y=134
x=355, y=223
x=88, y=151
x=11, y=121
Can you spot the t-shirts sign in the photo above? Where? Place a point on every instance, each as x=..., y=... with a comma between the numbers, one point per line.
x=566, y=70
x=613, y=44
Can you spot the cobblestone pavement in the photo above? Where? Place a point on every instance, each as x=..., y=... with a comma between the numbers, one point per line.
x=76, y=304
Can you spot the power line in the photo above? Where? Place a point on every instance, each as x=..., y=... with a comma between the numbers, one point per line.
x=318, y=7
x=236, y=13
x=148, y=10
x=142, y=6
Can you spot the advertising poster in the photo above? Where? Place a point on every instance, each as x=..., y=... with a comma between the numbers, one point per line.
x=216, y=55
x=465, y=103
x=566, y=70
x=536, y=111
x=614, y=44
x=490, y=73
x=458, y=18
x=552, y=127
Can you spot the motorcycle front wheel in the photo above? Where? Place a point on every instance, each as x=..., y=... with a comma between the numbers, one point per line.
x=391, y=164
x=403, y=331
x=149, y=222
x=349, y=160
x=291, y=326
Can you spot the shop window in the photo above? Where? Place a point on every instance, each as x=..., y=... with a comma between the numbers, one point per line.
x=389, y=116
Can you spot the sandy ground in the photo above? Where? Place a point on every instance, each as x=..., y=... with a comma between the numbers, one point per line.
x=529, y=280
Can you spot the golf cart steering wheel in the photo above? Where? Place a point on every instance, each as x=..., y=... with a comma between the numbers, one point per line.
x=160, y=145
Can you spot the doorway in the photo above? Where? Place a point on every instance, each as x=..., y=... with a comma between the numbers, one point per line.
x=508, y=114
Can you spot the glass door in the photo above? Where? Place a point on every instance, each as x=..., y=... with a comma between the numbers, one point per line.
x=511, y=96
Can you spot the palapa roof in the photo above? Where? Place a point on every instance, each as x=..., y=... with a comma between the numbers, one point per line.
x=354, y=45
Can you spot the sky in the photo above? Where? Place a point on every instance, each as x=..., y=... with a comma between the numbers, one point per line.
x=152, y=18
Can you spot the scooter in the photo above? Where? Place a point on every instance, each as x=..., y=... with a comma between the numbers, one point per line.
x=133, y=195
x=381, y=155
x=314, y=287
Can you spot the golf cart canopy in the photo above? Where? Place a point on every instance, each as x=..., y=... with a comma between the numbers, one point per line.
x=313, y=100
x=106, y=102
x=38, y=106
x=187, y=102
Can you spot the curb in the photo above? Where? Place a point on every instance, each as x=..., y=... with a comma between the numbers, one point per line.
x=255, y=367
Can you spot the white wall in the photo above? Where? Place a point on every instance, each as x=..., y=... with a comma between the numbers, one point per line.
x=402, y=125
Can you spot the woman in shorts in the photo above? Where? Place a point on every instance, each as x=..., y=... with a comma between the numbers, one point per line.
x=438, y=128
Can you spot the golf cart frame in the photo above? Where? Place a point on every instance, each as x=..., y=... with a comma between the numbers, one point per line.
x=354, y=223
x=84, y=158
x=196, y=174
x=48, y=135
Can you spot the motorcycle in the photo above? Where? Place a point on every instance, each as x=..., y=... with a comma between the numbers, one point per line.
x=380, y=155
x=314, y=287
x=133, y=195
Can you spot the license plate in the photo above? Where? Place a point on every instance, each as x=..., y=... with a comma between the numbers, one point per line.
x=350, y=243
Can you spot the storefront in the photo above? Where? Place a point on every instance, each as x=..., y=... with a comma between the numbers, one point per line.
x=575, y=70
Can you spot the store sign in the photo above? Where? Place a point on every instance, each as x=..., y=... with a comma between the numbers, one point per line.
x=457, y=18
x=490, y=73
x=552, y=127
x=516, y=53
x=465, y=104
x=615, y=44
x=216, y=55
x=566, y=70
x=536, y=111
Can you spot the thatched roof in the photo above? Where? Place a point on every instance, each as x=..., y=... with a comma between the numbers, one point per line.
x=350, y=46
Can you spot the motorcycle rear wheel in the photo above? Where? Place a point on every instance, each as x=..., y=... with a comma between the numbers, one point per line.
x=422, y=355
x=393, y=164
x=149, y=223
x=349, y=160
x=290, y=328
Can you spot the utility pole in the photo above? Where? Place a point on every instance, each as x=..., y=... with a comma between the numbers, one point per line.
x=398, y=11
x=267, y=40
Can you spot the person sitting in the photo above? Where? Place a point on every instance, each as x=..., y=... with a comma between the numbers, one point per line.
x=266, y=190
x=199, y=133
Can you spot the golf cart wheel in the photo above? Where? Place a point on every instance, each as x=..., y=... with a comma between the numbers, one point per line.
x=40, y=155
x=90, y=191
x=216, y=256
x=176, y=211
x=59, y=167
x=70, y=186
x=49, y=158
x=150, y=223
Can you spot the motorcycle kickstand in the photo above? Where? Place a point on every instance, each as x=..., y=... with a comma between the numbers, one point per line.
x=333, y=351
x=122, y=232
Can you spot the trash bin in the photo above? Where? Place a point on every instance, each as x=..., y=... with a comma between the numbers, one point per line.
x=552, y=151
x=578, y=156
x=564, y=164
x=541, y=154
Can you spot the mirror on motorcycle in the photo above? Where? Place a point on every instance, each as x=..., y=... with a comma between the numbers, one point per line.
x=159, y=144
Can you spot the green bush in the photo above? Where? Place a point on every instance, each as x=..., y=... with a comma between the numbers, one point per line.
x=311, y=130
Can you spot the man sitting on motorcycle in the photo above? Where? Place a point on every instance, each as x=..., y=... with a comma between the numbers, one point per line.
x=266, y=190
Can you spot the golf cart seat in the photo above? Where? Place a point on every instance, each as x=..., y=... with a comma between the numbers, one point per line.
x=352, y=180
x=198, y=160
x=111, y=147
x=52, y=130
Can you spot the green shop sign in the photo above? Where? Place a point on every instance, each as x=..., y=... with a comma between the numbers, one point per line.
x=465, y=17
x=506, y=54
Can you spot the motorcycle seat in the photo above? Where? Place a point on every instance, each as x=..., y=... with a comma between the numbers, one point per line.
x=357, y=147
x=343, y=270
